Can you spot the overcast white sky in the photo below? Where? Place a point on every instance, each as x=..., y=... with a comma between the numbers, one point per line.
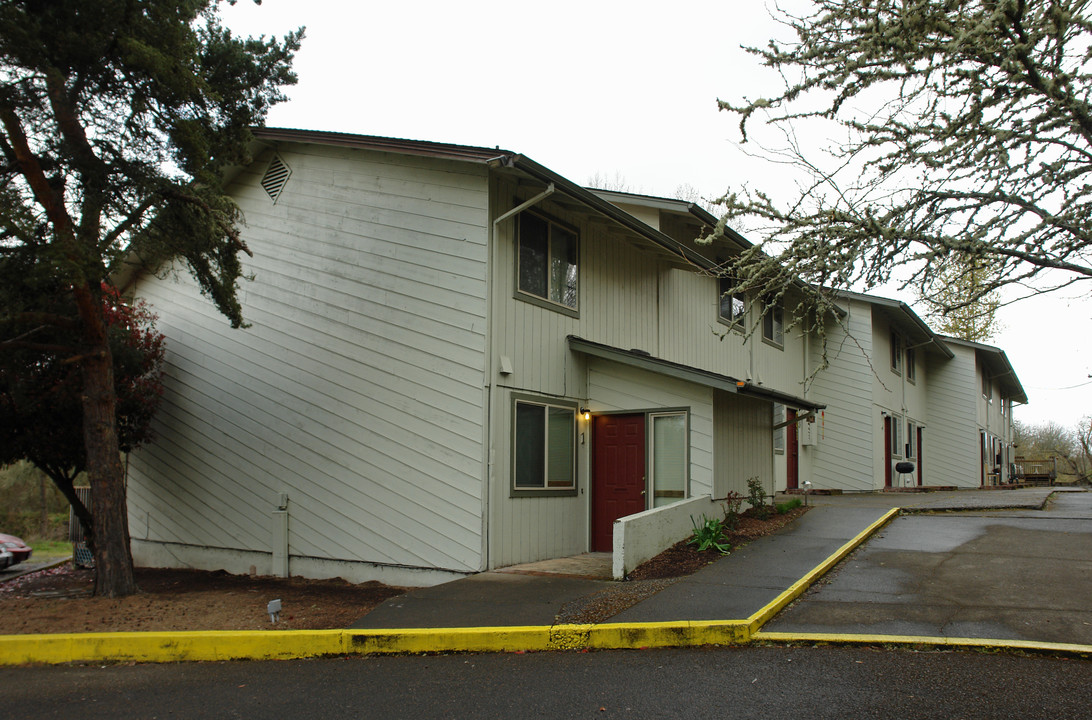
x=614, y=88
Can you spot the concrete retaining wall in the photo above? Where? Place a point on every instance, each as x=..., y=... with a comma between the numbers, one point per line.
x=643, y=536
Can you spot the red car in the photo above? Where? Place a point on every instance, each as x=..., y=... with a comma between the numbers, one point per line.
x=19, y=550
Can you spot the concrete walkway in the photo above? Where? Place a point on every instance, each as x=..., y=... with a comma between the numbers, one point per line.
x=733, y=587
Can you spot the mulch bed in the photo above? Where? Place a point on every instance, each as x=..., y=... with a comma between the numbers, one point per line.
x=682, y=559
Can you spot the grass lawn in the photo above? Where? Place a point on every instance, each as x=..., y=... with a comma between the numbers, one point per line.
x=46, y=550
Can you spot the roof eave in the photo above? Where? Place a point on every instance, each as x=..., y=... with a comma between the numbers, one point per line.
x=604, y=207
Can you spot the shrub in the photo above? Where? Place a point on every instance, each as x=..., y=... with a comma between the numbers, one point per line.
x=733, y=501
x=710, y=534
x=756, y=495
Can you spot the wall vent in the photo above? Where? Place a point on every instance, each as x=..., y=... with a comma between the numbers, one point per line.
x=275, y=178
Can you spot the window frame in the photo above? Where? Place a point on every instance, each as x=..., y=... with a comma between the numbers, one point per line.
x=896, y=353
x=897, y=448
x=776, y=312
x=726, y=287
x=529, y=296
x=911, y=365
x=650, y=444
x=545, y=490
x=779, y=416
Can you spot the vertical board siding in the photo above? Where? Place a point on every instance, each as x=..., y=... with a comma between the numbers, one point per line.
x=357, y=389
x=690, y=331
x=526, y=529
x=742, y=442
x=843, y=457
x=630, y=297
x=951, y=434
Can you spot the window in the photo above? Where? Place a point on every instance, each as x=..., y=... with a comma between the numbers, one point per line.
x=896, y=436
x=773, y=324
x=779, y=433
x=911, y=365
x=733, y=306
x=668, y=461
x=896, y=352
x=911, y=440
x=987, y=388
x=547, y=261
x=545, y=448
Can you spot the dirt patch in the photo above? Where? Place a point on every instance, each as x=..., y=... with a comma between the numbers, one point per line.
x=682, y=559
x=59, y=601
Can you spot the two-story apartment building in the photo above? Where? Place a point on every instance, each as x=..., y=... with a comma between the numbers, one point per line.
x=896, y=392
x=457, y=360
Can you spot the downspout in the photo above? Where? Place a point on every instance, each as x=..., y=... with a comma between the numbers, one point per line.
x=490, y=366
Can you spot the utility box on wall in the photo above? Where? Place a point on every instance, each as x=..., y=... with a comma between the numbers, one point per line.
x=809, y=434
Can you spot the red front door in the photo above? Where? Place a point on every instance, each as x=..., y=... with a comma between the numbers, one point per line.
x=887, y=451
x=618, y=474
x=792, y=453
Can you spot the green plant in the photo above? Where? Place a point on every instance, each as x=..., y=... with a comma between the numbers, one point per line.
x=733, y=501
x=756, y=496
x=784, y=507
x=710, y=534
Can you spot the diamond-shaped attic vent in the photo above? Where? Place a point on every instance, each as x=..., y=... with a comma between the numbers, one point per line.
x=275, y=178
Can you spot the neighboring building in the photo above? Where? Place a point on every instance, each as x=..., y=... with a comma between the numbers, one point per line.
x=894, y=392
x=984, y=380
x=457, y=360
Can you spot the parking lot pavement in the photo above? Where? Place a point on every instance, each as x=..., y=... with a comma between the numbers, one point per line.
x=1012, y=575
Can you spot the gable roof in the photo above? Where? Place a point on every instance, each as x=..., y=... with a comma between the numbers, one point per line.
x=903, y=317
x=495, y=158
x=997, y=366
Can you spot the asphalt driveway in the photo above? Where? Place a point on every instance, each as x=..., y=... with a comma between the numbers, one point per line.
x=1012, y=575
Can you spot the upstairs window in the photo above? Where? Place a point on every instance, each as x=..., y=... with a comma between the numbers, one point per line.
x=911, y=365
x=548, y=265
x=987, y=388
x=773, y=324
x=896, y=352
x=733, y=306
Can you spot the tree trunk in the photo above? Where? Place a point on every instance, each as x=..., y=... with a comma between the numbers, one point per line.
x=43, y=514
x=65, y=483
x=113, y=559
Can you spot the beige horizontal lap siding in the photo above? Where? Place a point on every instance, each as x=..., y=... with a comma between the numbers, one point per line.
x=950, y=439
x=843, y=457
x=357, y=389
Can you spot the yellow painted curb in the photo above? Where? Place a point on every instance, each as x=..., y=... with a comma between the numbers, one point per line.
x=169, y=646
x=280, y=645
x=936, y=641
x=286, y=644
x=795, y=590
